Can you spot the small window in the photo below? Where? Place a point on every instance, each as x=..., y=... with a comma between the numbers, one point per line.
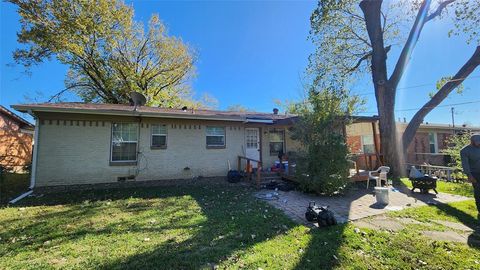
x=159, y=136
x=215, y=137
x=124, y=142
x=432, y=139
x=277, y=142
x=368, y=146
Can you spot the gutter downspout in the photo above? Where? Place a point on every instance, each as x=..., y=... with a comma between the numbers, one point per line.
x=34, y=164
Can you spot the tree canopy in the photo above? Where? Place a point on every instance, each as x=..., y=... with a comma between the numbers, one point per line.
x=354, y=38
x=108, y=53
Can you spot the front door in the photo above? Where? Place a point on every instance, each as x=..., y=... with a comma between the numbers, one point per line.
x=252, y=142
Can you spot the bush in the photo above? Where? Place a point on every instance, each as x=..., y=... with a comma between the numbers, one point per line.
x=455, y=145
x=322, y=166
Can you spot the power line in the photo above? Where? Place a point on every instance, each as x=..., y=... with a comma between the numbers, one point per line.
x=439, y=106
x=420, y=85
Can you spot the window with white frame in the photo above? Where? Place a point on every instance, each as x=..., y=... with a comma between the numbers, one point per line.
x=215, y=137
x=159, y=136
x=368, y=145
x=124, y=142
x=277, y=141
x=432, y=139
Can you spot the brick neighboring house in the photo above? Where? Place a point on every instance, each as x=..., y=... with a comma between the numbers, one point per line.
x=426, y=146
x=16, y=141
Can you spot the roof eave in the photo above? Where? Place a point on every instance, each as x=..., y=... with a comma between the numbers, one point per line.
x=34, y=109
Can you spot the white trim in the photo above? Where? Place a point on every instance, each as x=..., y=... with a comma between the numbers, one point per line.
x=224, y=136
x=137, y=142
x=158, y=134
x=435, y=141
x=21, y=197
x=35, y=154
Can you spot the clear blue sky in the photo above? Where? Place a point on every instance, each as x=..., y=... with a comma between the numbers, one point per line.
x=253, y=52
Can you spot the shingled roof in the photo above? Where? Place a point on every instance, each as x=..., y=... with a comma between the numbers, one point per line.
x=120, y=109
x=21, y=122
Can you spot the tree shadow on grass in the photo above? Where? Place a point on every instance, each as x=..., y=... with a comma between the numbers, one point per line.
x=228, y=220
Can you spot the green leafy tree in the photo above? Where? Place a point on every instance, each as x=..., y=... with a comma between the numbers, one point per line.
x=322, y=166
x=354, y=38
x=455, y=143
x=108, y=54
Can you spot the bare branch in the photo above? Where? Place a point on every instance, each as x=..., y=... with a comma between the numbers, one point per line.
x=439, y=10
x=410, y=44
x=365, y=57
x=446, y=89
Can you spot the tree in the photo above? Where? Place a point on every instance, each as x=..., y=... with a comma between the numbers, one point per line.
x=456, y=143
x=108, y=54
x=322, y=165
x=349, y=35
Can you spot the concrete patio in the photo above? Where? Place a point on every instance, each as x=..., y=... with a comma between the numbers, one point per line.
x=356, y=204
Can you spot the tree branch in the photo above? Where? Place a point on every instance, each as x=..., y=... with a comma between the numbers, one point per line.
x=439, y=10
x=365, y=57
x=410, y=44
x=446, y=89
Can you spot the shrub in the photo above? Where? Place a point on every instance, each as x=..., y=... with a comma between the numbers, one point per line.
x=322, y=166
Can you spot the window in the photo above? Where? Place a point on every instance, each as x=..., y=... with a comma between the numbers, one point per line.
x=215, y=137
x=159, y=136
x=368, y=145
x=124, y=142
x=432, y=139
x=277, y=141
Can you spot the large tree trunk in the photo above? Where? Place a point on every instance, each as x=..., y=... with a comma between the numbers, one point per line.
x=384, y=93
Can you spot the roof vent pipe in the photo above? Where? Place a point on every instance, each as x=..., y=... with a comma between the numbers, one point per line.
x=275, y=111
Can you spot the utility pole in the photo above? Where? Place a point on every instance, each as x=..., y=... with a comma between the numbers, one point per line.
x=453, y=119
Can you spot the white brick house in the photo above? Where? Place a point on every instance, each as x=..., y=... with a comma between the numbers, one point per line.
x=79, y=143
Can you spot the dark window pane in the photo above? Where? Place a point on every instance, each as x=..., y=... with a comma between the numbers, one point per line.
x=159, y=140
x=124, y=151
x=215, y=140
x=276, y=147
x=432, y=148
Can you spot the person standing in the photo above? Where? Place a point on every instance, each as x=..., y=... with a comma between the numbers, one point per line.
x=470, y=156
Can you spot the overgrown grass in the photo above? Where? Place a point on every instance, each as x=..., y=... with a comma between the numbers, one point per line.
x=13, y=184
x=458, y=188
x=197, y=228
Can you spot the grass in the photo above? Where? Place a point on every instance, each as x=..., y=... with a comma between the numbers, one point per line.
x=12, y=185
x=199, y=227
x=458, y=188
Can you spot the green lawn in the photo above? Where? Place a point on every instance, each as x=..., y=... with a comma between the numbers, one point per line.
x=198, y=227
x=461, y=188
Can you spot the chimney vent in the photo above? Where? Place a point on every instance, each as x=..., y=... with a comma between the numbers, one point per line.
x=275, y=111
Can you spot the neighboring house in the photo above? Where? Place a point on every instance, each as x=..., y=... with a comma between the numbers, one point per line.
x=80, y=143
x=426, y=146
x=16, y=141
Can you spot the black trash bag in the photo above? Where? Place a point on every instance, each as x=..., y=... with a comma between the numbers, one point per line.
x=320, y=214
x=234, y=176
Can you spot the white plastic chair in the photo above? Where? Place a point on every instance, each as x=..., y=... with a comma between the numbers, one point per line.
x=382, y=172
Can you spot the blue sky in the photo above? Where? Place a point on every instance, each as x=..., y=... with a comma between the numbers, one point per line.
x=254, y=52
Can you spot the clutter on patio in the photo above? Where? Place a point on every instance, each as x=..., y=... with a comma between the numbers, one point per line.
x=424, y=182
x=320, y=214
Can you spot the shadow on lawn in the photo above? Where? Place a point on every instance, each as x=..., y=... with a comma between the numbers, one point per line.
x=217, y=238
